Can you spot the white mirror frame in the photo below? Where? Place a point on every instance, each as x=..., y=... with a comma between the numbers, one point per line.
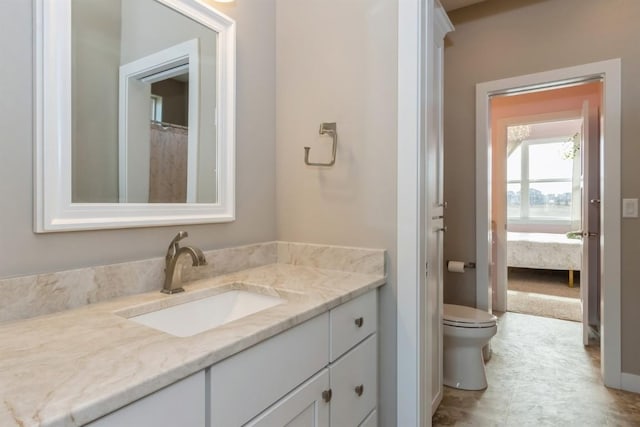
x=54, y=210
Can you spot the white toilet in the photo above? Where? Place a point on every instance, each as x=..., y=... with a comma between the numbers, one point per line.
x=466, y=330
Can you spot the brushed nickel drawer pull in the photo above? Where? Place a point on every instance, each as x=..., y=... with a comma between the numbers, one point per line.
x=359, y=322
x=326, y=395
x=360, y=389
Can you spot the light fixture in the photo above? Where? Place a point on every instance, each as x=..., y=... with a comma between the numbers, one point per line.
x=224, y=1
x=518, y=133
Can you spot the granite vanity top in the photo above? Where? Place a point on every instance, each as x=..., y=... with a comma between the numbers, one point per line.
x=70, y=368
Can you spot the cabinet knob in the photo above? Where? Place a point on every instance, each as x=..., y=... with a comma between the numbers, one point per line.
x=360, y=389
x=359, y=322
x=326, y=395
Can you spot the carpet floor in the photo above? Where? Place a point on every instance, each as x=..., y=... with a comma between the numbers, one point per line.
x=543, y=293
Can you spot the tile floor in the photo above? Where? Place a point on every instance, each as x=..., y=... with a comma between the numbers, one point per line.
x=540, y=374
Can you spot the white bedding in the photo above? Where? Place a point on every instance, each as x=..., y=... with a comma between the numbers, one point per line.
x=543, y=250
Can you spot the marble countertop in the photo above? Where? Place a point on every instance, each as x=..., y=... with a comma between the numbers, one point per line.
x=70, y=368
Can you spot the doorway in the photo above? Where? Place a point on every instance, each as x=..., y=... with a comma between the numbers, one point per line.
x=608, y=240
x=537, y=146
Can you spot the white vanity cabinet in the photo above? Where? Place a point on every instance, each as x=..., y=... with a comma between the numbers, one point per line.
x=180, y=404
x=328, y=366
x=322, y=372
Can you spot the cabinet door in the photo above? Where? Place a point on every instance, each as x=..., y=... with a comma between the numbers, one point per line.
x=249, y=382
x=303, y=407
x=354, y=384
x=180, y=404
x=371, y=420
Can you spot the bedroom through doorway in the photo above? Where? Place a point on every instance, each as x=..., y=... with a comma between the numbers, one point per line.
x=538, y=154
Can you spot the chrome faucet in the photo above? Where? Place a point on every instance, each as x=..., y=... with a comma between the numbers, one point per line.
x=171, y=285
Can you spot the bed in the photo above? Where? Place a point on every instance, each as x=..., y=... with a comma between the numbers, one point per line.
x=545, y=251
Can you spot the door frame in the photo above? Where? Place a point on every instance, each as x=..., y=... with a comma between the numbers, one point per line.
x=610, y=72
x=413, y=376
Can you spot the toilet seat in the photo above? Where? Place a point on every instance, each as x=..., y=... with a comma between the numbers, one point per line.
x=467, y=317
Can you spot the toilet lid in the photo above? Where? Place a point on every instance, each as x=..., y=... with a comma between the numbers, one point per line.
x=460, y=314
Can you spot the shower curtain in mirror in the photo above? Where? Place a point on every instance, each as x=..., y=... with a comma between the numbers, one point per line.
x=168, y=163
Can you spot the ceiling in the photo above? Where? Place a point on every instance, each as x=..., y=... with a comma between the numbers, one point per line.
x=450, y=5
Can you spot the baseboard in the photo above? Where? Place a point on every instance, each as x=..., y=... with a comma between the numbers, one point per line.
x=630, y=382
x=436, y=402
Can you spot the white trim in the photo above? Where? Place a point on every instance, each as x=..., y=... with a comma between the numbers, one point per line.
x=610, y=187
x=434, y=186
x=413, y=382
x=630, y=382
x=483, y=194
x=437, y=399
x=54, y=210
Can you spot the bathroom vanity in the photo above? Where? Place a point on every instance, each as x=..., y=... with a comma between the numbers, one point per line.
x=311, y=359
x=328, y=362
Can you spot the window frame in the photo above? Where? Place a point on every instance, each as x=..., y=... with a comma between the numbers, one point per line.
x=525, y=184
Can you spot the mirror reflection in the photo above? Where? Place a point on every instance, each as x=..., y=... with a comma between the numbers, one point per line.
x=144, y=104
x=168, y=139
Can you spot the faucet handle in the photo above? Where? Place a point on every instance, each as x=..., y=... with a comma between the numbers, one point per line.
x=181, y=235
x=173, y=246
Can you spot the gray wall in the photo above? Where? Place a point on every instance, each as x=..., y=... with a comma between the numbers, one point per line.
x=353, y=83
x=499, y=39
x=96, y=58
x=337, y=62
x=23, y=252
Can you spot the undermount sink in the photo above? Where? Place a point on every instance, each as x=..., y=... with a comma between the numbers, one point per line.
x=191, y=318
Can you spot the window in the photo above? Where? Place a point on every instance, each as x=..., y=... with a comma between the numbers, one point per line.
x=156, y=108
x=540, y=177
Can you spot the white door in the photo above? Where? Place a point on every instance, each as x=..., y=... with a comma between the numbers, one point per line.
x=434, y=235
x=435, y=214
x=586, y=235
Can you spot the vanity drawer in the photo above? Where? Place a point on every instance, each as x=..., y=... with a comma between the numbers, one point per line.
x=247, y=383
x=352, y=322
x=354, y=384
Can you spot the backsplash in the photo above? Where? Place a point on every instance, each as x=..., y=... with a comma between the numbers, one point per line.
x=353, y=260
x=34, y=295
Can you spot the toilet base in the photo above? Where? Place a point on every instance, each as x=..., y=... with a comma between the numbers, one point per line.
x=463, y=358
x=464, y=369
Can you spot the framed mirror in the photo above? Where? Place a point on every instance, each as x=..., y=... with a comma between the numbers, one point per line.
x=135, y=114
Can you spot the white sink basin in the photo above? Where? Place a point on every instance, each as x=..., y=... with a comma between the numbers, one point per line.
x=193, y=317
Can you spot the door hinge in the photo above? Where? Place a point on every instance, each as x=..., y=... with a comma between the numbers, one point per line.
x=326, y=395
